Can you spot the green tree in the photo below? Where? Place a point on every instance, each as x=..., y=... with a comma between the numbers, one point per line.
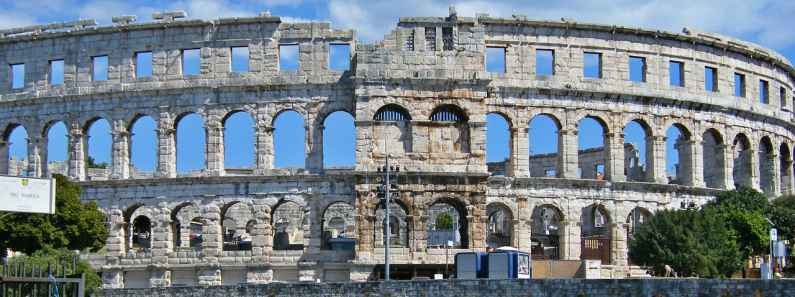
x=74, y=226
x=744, y=211
x=782, y=213
x=44, y=257
x=444, y=222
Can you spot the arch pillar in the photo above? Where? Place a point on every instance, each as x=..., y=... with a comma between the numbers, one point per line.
x=754, y=170
x=570, y=238
x=567, y=153
x=264, y=148
x=77, y=162
x=614, y=165
x=161, y=235
x=775, y=175
x=314, y=147
x=212, y=243
x=214, y=150
x=4, y=147
x=657, y=163
x=120, y=151
x=787, y=181
x=520, y=152
x=728, y=164
x=619, y=249
x=166, y=147
x=686, y=171
x=262, y=235
x=114, y=244
x=697, y=161
x=34, y=156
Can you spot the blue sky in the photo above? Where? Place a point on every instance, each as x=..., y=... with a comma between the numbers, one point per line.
x=764, y=22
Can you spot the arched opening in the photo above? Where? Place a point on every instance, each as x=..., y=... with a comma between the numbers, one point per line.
x=714, y=169
x=57, y=155
x=636, y=217
x=141, y=234
x=288, y=226
x=592, y=155
x=785, y=168
x=187, y=228
x=544, y=146
x=393, y=125
x=398, y=225
x=98, y=149
x=17, y=141
x=741, y=171
x=339, y=227
x=191, y=144
x=595, y=224
x=238, y=142
x=289, y=140
x=451, y=130
x=498, y=144
x=766, y=166
x=143, y=147
x=447, y=223
x=636, y=151
x=339, y=141
x=545, y=232
x=677, y=155
x=235, y=218
x=499, y=231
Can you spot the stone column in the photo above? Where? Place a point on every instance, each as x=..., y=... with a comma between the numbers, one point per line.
x=523, y=223
x=477, y=146
x=34, y=156
x=614, y=165
x=619, y=252
x=314, y=148
x=520, y=152
x=775, y=175
x=570, y=237
x=121, y=151
x=166, y=147
x=265, y=153
x=214, y=151
x=697, y=157
x=212, y=244
x=728, y=164
x=787, y=177
x=567, y=153
x=161, y=234
x=262, y=235
x=753, y=173
x=685, y=173
x=4, y=146
x=77, y=162
x=657, y=163
x=114, y=245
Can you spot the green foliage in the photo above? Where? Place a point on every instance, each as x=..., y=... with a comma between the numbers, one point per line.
x=42, y=258
x=744, y=211
x=74, y=226
x=782, y=213
x=91, y=163
x=444, y=222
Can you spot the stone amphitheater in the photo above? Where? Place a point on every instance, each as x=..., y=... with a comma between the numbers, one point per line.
x=421, y=95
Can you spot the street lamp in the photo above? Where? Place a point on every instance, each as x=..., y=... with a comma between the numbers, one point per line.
x=386, y=189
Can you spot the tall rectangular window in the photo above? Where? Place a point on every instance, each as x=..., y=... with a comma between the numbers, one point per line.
x=637, y=69
x=495, y=59
x=448, y=39
x=545, y=62
x=339, y=55
x=739, y=85
x=783, y=96
x=711, y=79
x=56, y=72
x=191, y=62
x=764, y=92
x=288, y=57
x=17, y=76
x=676, y=73
x=592, y=65
x=430, y=39
x=99, y=68
x=240, y=59
x=143, y=64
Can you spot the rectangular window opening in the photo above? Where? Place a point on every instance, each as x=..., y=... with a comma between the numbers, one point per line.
x=783, y=96
x=739, y=85
x=592, y=65
x=56, y=72
x=545, y=62
x=676, y=73
x=191, y=62
x=448, y=39
x=637, y=69
x=495, y=59
x=430, y=39
x=288, y=57
x=17, y=76
x=99, y=68
x=143, y=64
x=240, y=59
x=764, y=92
x=339, y=56
x=711, y=79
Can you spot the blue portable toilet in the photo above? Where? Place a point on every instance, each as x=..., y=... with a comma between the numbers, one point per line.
x=471, y=265
x=509, y=264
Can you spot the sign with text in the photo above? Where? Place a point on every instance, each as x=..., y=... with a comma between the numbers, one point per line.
x=23, y=194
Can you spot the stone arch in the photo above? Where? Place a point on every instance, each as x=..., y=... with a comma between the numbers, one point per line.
x=595, y=224
x=55, y=150
x=500, y=225
x=399, y=228
x=239, y=140
x=544, y=145
x=339, y=223
x=235, y=217
x=138, y=228
x=592, y=155
x=448, y=113
x=713, y=152
x=546, y=229
x=785, y=168
x=98, y=139
x=289, y=138
x=741, y=154
x=678, y=154
x=392, y=112
x=638, y=153
x=637, y=216
x=143, y=145
x=499, y=143
x=766, y=165
x=450, y=131
x=288, y=222
x=339, y=139
x=14, y=153
x=190, y=150
x=187, y=226
x=392, y=122
x=447, y=221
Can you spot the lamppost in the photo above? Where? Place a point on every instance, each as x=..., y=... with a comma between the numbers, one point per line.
x=386, y=189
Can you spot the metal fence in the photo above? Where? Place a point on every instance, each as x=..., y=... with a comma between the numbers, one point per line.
x=25, y=278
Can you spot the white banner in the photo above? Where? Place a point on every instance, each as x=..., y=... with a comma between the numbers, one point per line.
x=23, y=194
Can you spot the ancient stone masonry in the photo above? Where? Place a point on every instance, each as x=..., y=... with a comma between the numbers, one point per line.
x=421, y=95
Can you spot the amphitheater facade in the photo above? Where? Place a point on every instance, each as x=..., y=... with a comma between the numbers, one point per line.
x=422, y=94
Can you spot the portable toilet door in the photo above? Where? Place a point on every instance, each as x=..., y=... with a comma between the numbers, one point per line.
x=467, y=265
x=500, y=265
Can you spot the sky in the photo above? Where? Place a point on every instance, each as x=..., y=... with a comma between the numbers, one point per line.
x=765, y=22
